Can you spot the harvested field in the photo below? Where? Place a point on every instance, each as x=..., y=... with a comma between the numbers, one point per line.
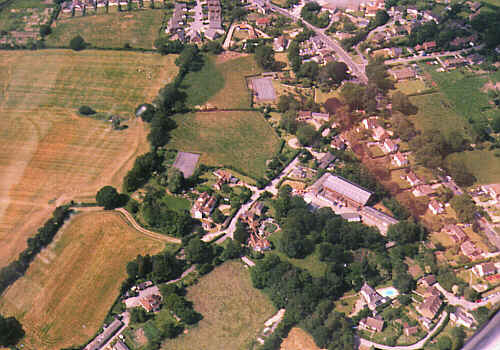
x=233, y=311
x=299, y=339
x=67, y=291
x=138, y=28
x=242, y=140
x=49, y=154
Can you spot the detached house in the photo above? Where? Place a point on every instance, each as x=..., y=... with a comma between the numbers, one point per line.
x=435, y=207
x=371, y=297
x=470, y=250
x=412, y=179
x=462, y=317
x=430, y=306
x=455, y=233
x=371, y=324
x=389, y=146
x=379, y=133
x=485, y=269
x=400, y=160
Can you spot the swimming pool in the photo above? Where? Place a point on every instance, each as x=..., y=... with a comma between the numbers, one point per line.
x=389, y=292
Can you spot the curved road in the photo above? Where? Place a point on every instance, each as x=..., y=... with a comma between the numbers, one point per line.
x=468, y=305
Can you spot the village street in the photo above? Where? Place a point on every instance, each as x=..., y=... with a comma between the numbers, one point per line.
x=468, y=305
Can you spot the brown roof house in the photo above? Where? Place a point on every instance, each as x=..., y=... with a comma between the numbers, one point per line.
x=427, y=281
x=371, y=297
x=430, y=306
x=493, y=190
x=470, y=250
x=400, y=160
x=485, y=269
x=403, y=73
x=371, y=324
x=456, y=233
x=435, y=207
x=409, y=331
x=389, y=146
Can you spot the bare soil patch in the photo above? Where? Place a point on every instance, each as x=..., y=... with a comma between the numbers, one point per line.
x=298, y=339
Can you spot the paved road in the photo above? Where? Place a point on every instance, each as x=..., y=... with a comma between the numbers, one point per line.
x=468, y=305
x=356, y=69
x=430, y=56
x=417, y=345
x=154, y=235
x=487, y=337
x=229, y=35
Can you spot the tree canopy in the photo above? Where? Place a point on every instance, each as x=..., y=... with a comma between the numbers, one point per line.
x=11, y=331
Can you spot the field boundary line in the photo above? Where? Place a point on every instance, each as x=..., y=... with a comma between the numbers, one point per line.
x=155, y=235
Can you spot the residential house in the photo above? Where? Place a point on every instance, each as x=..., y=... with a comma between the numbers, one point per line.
x=475, y=58
x=371, y=297
x=430, y=306
x=403, y=73
x=423, y=190
x=379, y=133
x=429, y=16
x=412, y=179
x=338, y=143
x=430, y=45
x=474, y=6
x=120, y=345
x=332, y=188
x=436, y=207
x=371, y=324
x=412, y=10
x=454, y=62
x=326, y=160
x=428, y=281
x=259, y=244
x=321, y=117
x=262, y=6
x=410, y=331
x=317, y=43
x=456, y=233
x=263, y=22
x=203, y=206
x=493, y=190
x=370, y=123
x=462, y=317
x=396, y=51
x=304, y=115
x=106, y=334
x=400, y=160
x=280, y=44
x=351, y=217
x=389, y=146
x=431, y=291
x=470, y=250
x=485, y=269
x=151, y=303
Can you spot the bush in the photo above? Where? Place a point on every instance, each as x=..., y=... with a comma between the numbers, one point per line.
x=77, y=43
x=45, y=30
x=86, y=110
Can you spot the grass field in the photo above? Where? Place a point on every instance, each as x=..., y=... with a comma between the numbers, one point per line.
x=235, y=93
x=482, y=163
x=233, y=311
x=298, y=339
x=48, y=154
x=114, y=30
x=410, y=86
x=200, y=86
x=177, y=203
x=436, y=113
x=67, y=291
x=243, y=140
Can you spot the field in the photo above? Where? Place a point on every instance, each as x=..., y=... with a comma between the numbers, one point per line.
x=410, y=86
x=436, y=113
x=200, y=86
x=233, y=311
x=49, y=154
x=114, y=30
x=66, y=293
x=482, y=163
x=243, y=140
x=298, y=339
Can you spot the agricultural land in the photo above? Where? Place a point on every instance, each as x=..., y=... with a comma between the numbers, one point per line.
x=48, y=153
x=66, y=293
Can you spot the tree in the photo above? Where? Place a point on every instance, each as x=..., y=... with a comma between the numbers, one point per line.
x=407, y=231
x=353, y=95
x=307, y=134
x=233, y=250
x=108, y=197
x=218, y=216
x=264, y=55
x=138, y=315
x=11, y=331
x=77, y=43
x=289, y=121
x=146, y=111
x=376, y=72
x=86, y=110
x=45, y=30
x=189, y=59
x=337, y=71
x=309, y=70
x=381, y=18
x=213, y=47
x=401, y=102
x=165, y=46
x=404, y=282
x=465, y=207
x=495, y=123
x=241, y=232
x=175, y=180
x=459, y=172
x=444, y=343
x=198, y=252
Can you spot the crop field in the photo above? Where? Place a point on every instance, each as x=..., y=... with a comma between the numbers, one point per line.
x=137, y=28
x=299, y=339
x=49, y=154
x=436, y=113
x=243, y=140
x=235, y=93
x=67, y=291
x=233, y=311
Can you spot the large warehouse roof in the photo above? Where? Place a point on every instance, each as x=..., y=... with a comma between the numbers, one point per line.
x=344, y=187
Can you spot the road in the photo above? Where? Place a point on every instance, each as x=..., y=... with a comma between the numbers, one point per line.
x=490, y=232
x=151, y=234
x=487, y=337
x=229, y=35
x=417, y=345
x=356, y=69
x=430, y=56
x=468, y=305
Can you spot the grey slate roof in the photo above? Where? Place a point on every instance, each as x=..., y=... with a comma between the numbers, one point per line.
x=344, y=187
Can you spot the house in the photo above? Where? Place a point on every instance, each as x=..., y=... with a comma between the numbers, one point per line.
x=338, y=143
x=203, y=206
x=431, y=291
x=371, y=324
x=403, y=73
x=316, y=42
x=475, y=6
x=371, y=297
x=412, y=179
x=396, y=51
x=462, y=317
x=428, y=281
x=429, y=45
x=144, y=285
x=389, y=146
x=455, y=233
x=332, y=188
x=304, y=115
x=435, y=207
x=370, y=123
x=280, y=44
x=263, y=22
x=326, y=160
x=379, y=133
x=351, y=217
x=423, y=190
x=321, y=117
x=259, y=244
x=382, y=220
x=400, y=160
x=485, y=269
x=106, y=334
x=151, y=303
x=261, y=5
x=120, y=345
x=409, y=331
x=470, y=250
x=454, y=62
x=493, y=190
x=430, y=306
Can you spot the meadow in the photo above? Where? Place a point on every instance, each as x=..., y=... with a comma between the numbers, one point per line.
x=239, y=139
x=49, y=154
x=200, y=86
x=298, y=339
x=67, y=291
x=233, y=311
x=137, y=28
x=483, y=164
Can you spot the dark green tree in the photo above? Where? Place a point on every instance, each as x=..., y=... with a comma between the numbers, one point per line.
x=108, y=197
x=264, y=55
x=11, y=331
x=175, y=180
x=77, y=43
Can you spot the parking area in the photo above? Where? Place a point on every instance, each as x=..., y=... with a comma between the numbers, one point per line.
x=263, y=89
x=186, y=163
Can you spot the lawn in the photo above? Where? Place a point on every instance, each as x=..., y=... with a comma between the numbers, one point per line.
x=235, y=93
x=436, y=113
x=409, y=87
x=177, y=204
x=233, y=311
x=298, y=339
x=482, y=163
x=238, y=139
x=310, y=263
x=49, y=154
x=67, y=291
x=200, y=86
x=138, y=28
